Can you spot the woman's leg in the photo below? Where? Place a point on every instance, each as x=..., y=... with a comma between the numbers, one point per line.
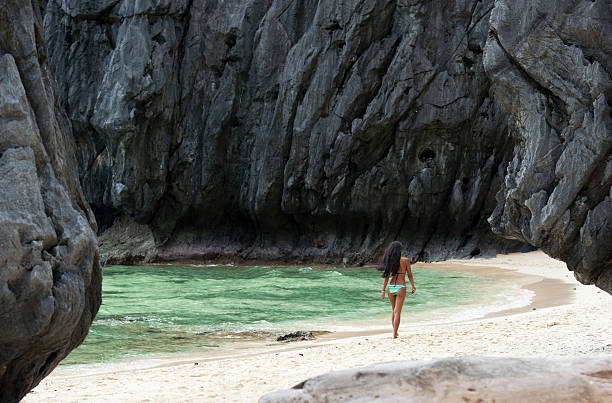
x=397, y=310
x=392, y=299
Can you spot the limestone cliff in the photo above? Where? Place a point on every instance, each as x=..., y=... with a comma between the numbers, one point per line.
x=284, y=129
x=551, y=64
x=50, y=274
x=323, y=129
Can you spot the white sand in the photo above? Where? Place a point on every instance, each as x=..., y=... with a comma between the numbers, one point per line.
x=570, y=320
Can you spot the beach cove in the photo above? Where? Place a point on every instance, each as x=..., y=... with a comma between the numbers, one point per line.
x=563, y=319
x=186, y=308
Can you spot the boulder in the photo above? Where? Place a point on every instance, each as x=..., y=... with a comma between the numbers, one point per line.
x=473, y=379
x=295, y=336
x=50, y=276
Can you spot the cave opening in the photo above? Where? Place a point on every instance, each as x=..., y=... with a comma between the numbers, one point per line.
x=427, y=154
x=105, y=216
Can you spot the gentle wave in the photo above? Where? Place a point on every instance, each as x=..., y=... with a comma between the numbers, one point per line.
x=119, y=321
x=501, y=301
x=177, y=309
x=524, y=298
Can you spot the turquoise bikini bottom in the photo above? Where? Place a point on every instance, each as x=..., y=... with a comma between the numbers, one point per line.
x=395, y=288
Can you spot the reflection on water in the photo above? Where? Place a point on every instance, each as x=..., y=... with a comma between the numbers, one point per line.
x=166, y=309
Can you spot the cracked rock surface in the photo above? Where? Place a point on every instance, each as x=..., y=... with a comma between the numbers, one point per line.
x=551, y=64
x=466, y=379
x=318, y=130
x=50, y=275
x=279, y=129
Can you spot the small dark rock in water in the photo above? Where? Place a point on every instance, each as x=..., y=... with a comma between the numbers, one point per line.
x=296, y=336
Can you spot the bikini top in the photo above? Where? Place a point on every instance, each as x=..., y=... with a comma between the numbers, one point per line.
x=397, y=274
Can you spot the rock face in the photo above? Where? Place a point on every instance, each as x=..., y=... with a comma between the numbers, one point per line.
x=551, y=67
x=324, y=129
x=282, y=128
x=458, y=380
x=50, y=274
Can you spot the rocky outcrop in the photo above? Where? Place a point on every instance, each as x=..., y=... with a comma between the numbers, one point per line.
x=127, y=242
x=50, y=274
x=282, y=128
x=459, y=380
x=551, y=67
x=321, y=129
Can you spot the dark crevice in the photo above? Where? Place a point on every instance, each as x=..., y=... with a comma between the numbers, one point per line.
x=427, y=154
x=472, y=10
x=105, y=216
x=467, y=62
x=49, y=363
x=480, y=19
x=231, y=59
x=448, y=104
x=103, y=16
x=300, y=385
x=334, y=25
x=159, y=38
x=595, y=274
x=14, y=288
x=230, y=38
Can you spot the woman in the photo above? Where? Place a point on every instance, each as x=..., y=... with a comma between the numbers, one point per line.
x=396, y=267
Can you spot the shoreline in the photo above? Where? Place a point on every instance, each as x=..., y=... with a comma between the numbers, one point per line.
x=370, y=328
x=547, y=291
x=217, y=375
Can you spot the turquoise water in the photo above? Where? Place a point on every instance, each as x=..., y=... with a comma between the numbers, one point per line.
x=159, y=310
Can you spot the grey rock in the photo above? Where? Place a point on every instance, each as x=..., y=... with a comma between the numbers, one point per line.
x=460, y=379
x=50, y=274
x=319, y=130
x=283, y=129
x=295, y=336
x=127, y=242
x=551, y=63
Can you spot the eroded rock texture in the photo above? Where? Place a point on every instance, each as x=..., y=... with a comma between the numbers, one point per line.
x=470, y=379
x=551, y=65
x=50, y=274
x=284, y=128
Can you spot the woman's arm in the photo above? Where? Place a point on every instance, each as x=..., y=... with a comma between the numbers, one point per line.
x=409, y=271
x=382, y=294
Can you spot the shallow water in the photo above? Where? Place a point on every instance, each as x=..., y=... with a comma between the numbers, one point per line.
x=158, y=310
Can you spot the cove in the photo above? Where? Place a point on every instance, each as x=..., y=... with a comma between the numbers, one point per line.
x=160, y=310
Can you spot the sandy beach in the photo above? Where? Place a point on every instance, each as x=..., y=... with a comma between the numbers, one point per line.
x=564, y=319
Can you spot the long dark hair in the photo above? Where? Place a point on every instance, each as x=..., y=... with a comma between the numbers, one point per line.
x=391, y=259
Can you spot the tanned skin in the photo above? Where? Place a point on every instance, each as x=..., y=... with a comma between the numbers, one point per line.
x=397, y=301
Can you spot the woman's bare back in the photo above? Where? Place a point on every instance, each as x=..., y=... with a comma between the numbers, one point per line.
x=400, y=276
